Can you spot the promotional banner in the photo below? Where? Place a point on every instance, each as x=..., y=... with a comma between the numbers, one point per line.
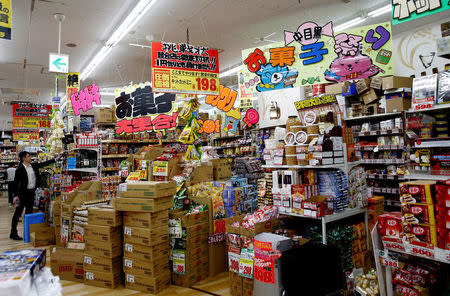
x=138, y=109
x=26, y=135
x=315, y=54
x=5, y=19
x=225, y=102
x=32, y=116
x=82, y=100
x=407, y=10
x=185, y=68
x=72, y=87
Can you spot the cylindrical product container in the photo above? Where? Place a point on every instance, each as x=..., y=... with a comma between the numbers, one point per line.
x=290, y=150
x=291, y=159
x=292, y=121
x=297, y=128
x=312, y=129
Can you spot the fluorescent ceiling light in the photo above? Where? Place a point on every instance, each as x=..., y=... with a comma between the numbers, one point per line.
x=380, y=11
x=139, y=45
x=103, y=93
x=231, y=71
x=349, y=24
x=133, y=17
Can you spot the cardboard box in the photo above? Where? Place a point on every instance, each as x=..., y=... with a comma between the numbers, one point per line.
x=397, y=82
x=146, y=220
x=104, y=115
x=201, y=251
x=103, y=279
x=58, y=241
x=229, y=228
x=104, y=216
x=42, y=236
x=67, y=264
x=193, y=265
x=267, y=226
x=335, y=89
x=197, y=230
x=362, y=85
x=398, y=104
x=421, y=191
x=236, y=284
x=188, y=280
x=145, y=268
x=221, y=169
x=106, y=234
x=218, y=262
x=145, y=253
x=102, y=264
x=191, y=219
x=149, y=189
x=146, y=236
x=376, y=82
x=369, y=97
x=150, y=205
x=104, y=249
x=202, y=173
x=152, y=285
x=195, y=241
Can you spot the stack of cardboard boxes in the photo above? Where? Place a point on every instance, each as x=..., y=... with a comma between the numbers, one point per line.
x=146, y=234
x=67, y=263
x=189, y=247
x=103, y=252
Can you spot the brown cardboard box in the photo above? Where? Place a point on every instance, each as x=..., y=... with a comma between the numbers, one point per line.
x=190, y=219
x=202, y=173
x=362, y=85
x=188, y=280
x=58, y=241
x=145, y=253
x=236, y=284
x=148, y=189
x=150, y=205
x=221, y=169
x=146, y=220
x=145, y=268
x=218, y=262
x=261, y=227
x=229, y=228
x=104, y=249
x=195, y=241
x=398, y=104
x=152, y=285
x=146, y=236
x=104, y=216
x=104, y=115
x=397, y=82
x=376, y=82
x=67, y=263
x=43, y=236
x=369, y=97
x=102, y=264
x=201, y=251
x=197, y=230
x=102, y=279
x=247, y=286
x=106, y=234
x=193, y=265
x=335, y=89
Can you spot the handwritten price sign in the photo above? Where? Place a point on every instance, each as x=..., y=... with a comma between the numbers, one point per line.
x=246, y=263
x=233, y=259
x=179, y=262
x=264, y=271
x=422, y=252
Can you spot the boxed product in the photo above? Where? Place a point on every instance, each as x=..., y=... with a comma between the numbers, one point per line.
x=143, y=204
x=104, y=216
x=221, y=169
x=145, y=253
x=335, y=88
x=67, y=263
x=149, y=189
x=443, y=96
x=103, y=264
x=397, y=82
x=188, y=280
x=152, y=285
x=362, y=85
x=315, y=206
x=106, y=234
x=104, y=249
x=397, y=101
x=203, y=173
x=190, y=219
x=418, y=213
x=104, y=115
x=424, y=92
x=146, y=220
x=146, y=236
x=260, y=227
x=151, y=268
x=390, y=224
x=41, y=234
x=417, y=191
x=102, y=279
x=369, y=96
x=420, y=232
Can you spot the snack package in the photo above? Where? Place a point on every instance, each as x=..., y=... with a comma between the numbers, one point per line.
x=390, y=225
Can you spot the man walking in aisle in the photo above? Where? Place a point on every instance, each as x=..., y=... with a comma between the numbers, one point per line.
x=26, y=180
x=11, y=172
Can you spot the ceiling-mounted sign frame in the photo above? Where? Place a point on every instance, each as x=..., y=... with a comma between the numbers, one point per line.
x=58, y=62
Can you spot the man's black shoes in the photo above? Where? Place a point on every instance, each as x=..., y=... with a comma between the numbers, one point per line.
x=15, y=236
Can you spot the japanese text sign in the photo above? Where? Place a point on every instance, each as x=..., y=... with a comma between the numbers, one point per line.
x=315, y=54
x=264, y=269
x=406, y=10
x=33, y=116
x=26, y=135
x=138, y=109
x=82, y=100
x=185, y=68
x=72, y=87
x=5, y=19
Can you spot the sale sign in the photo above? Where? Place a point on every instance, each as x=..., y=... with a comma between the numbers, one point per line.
x=161, y=168
x=28, y=119
x=422, y=249
x=264, y=267
x=83, y=99
x=387, y=260
x=26, y=135
x=234, y=256
x=185, y=68
x=179, y=261
x=246, y=263
x=72, y=87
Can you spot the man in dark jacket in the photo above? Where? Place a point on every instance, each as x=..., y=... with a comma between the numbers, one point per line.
x=26, y=180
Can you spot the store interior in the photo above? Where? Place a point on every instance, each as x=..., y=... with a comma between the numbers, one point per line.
x=232, y=148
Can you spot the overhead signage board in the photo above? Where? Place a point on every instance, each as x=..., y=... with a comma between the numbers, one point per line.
x=58, y=63
x=403, y=11
x=185, y=68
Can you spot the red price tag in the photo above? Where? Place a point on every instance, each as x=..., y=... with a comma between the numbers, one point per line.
x=264, y=271
x=393, y=244
x=423, y=252
x=233, y=259
x=389, y=262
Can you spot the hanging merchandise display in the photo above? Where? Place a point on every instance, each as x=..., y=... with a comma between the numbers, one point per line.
x=54, y=142
x=190, y=134
x=185, y=68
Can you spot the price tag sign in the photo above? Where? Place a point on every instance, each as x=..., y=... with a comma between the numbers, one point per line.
x=128, y=263
x=393, y=244
x=161, y=168
x=90, y=275
x=234, y=256
x=127, y=230
x=129, y=248
x=130, y=278
x=87, y=260
x=179, y=261
x=422, y=251
x=387, y=260
x=264, y=271
x=246, y=263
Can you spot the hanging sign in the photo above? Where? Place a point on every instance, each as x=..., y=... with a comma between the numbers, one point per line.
x=27, y=115
x=138, y=109
x=251, y=118
x=185, y=68
x=58, y=63
x=315, y=54
x=160, y=168
x=82, y=100
x=72, y=87
x=403, y=11
x=225, y=101
x=264, y=270
x=5, y=19
x=26, y=135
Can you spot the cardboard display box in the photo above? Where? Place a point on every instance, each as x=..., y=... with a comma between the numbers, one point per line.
x=103, y=279
x=218, y=261
x=39, y=239
x=104, y=249
x=145, y=236
x=143, y=204
x=201, y=251
x=104, y=216
x=195, y=241
x=221, y=169
x=261, y=227
x=152, y=285
x=105, y=115
x=396, y=82
x=188, y=280
x=369, y=97
x=67, y=264
x=140, y=252
x=398, y=104
x=102, y=264
x=106, y=234
x=362, y=85
x=335, y=89
x=149, y=189
x=202, y=173
x=191, y=219
x=145, y=268
x=196, y=265
x=146, y=220
x=197, y=230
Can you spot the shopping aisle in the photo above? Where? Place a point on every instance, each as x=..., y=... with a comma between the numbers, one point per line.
x=215, y=286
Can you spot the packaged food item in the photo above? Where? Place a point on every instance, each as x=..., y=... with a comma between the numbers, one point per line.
x=418, y=213
x=417, y=191
x=390, y=225
x=420, y=232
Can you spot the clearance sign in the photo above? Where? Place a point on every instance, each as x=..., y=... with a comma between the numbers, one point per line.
x=185, y=68
x=31, y=116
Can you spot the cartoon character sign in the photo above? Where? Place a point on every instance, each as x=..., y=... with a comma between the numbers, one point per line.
x=232, y=119
x=277, y=77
